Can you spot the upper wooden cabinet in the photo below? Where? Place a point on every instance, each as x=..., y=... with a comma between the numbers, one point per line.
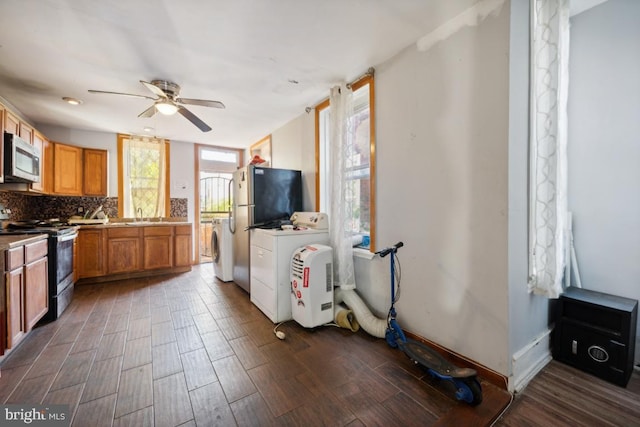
x=26, y=132
x=95, y=172
x=11, y=123
x=67, y=167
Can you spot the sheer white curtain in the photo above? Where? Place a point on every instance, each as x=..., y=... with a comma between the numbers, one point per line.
x=144, y=176
x=340, y=212
x=548, y=146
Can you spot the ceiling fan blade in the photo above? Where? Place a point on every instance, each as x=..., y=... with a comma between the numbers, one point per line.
x=202, y=102
x=194, y=119
x=120, y=93
x=149, y=112
x=154, y=89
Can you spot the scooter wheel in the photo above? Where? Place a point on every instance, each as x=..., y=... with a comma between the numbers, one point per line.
x=469, y=390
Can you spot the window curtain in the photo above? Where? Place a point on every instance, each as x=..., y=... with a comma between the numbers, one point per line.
x=340, y=213
x=144, y=175
x=548, y=146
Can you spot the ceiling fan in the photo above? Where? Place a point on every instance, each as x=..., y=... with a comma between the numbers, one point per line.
x=167, y=101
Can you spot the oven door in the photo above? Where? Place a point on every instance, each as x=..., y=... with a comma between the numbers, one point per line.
x=64, y=262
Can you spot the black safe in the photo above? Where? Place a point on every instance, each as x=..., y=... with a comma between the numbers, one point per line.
x=596, y=332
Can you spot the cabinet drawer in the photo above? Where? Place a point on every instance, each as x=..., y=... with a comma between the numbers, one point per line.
x=263, y=297
x=15, y=258
x=123, y=232
x=262, y=265
x=183, y=229
x=158, y=231
x=35, y=251
x=262, y=239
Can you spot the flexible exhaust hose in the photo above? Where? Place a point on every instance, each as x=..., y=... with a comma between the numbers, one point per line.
x=374, y=326
x=345, y=318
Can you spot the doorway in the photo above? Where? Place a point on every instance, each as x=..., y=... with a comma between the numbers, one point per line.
x=215, y=166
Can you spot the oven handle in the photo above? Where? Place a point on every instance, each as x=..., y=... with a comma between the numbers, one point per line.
x=67, y=237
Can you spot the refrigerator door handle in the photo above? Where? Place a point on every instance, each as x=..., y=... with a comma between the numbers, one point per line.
x=231, y=222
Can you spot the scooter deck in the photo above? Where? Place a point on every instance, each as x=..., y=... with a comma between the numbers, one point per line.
x=427, y=357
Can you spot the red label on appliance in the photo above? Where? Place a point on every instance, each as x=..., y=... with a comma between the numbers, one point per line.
x=306, y=277
x=295, y=284
x=311, y=248
x=299, y=294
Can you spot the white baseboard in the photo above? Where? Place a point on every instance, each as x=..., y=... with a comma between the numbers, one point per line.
x=529, y=360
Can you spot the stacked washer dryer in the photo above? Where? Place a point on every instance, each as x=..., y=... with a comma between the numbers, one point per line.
x=222, y=249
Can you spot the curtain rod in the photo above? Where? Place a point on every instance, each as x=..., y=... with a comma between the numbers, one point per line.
x=369, y=73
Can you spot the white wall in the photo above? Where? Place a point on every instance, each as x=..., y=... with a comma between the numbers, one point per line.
x=293, y=147
x=442, y=144
x=604, y=146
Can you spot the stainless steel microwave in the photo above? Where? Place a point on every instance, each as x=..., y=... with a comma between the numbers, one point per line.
x=21, y=160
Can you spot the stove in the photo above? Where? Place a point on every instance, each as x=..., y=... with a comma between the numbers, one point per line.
x=60, y=259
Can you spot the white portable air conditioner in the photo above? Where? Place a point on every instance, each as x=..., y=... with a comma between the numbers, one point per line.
x=312, y=285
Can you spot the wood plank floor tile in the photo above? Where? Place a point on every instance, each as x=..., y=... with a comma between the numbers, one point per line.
x=407, y=411
x=210, y=406
x=111, y=345
x=137, y=353
x=67, y=333
x=172, y=405
x=233, y=378
x=96, y=413
x=162, y=333
x=140, y=418
x=205, y=323
x=103, y=379
x=31, y=390
x=160, y=314
x=216, y=345
x=135, y=391
x=248, y=353
x=188, y=339
x=117, y=323
x=253, y=411
x=65, y=396
x=88, y=339
x=231, y=328
x=74, y=370
x=166, y=360
x=10, y=379
x=181, y=318
x=138, y=328
x=50, y=360
x=198, y=369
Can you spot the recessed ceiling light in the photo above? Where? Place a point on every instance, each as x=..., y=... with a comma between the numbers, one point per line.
x=72, y=101
x=147, y=129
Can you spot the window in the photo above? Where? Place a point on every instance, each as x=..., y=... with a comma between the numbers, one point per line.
x=143, y=177
x=360, y=163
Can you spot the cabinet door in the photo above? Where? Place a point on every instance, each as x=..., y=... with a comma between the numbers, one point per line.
x=123, y=254
x=91, y=253
x=67, y=169
x=158, y=247
x=15, y=303
x=36, y=292
x=95, y=172
x=11, y=123
x=26, y=132
x=182, y=246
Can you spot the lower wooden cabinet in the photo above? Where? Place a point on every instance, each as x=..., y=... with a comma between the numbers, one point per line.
x=91, y=252
x=27, y=289
x=123, y=250
x=109, y=252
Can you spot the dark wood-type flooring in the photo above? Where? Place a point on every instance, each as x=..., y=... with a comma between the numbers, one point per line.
x=189, y=350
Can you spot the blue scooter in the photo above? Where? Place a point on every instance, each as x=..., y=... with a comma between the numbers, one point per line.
x=465, y=380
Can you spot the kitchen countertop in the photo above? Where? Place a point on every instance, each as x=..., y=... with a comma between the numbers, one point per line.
x=120, y=224
x=16, y=240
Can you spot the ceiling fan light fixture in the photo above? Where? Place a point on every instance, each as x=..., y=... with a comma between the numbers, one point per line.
x=72, y=101
x=166, y=107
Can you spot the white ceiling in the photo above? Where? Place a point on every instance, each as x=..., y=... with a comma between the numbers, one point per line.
x=245, y=53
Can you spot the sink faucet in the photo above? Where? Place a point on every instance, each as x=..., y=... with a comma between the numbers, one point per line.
x=139, y=211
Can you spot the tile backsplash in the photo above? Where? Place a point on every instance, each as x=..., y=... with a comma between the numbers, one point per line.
x=24, y=206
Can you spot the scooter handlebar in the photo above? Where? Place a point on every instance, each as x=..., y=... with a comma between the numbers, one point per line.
x=386, y=251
